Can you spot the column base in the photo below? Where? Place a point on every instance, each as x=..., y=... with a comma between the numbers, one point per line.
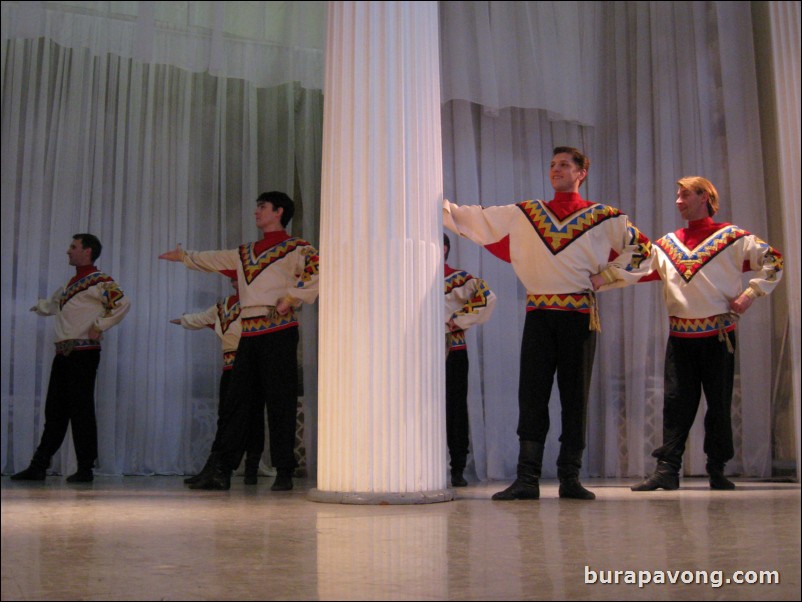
x=381, y=499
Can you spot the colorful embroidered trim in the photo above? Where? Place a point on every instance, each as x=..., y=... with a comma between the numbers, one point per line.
x=478, y=301
x=259, y=325
x=253, y=265
x=557, y=236
x=688, y=262
x=456, y=340
x=227, y=313
x=581, y=302
x=701, y=327
x=66, y=347
x=81, y=285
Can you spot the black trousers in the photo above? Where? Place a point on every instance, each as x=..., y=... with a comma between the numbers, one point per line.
x=555, y=342
x=71, y=401
x=457, y=407
x=265, y=373
x=255, y=444
x=692, y=366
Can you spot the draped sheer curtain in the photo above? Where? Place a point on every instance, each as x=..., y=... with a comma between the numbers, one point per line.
x=786, y=49
x=156, y=123
x=673, y=90
x=146, y=151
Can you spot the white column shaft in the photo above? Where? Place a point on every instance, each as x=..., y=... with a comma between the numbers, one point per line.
x=381, y=377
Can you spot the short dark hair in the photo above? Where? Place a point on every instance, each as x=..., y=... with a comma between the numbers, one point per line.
x=90, y=241
x=578, y=157
x=447, y=243
x=279, y=199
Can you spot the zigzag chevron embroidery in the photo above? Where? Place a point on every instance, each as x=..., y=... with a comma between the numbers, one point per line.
x=562, y=301
x=557, y=236
x=694, y=325
x=227, y=315
x=688, y=262
x=457, y=339
x=112, y=294
x=83, y=284
x=476, y=302
x=253, y=266
x=262, y=323
x=456, y=280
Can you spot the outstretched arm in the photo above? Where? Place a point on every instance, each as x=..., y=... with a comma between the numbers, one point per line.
x=199, y=320
x=176, y=254
x=48, y=307
x=203, y=261
x=482, y=225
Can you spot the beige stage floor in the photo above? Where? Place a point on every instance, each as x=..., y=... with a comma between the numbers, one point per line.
x=150, y=538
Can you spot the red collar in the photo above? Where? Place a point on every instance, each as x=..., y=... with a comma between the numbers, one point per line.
x=271, y=239
x=697, y=231
x=700, y=224
x=566, y=203
x=82, y=272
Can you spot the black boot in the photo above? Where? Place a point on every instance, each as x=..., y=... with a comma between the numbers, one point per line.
x=457, y=480
x=665, y=476
x=217, y=478
x=717, y=478
x=569, y=463
x=32, y=473
x=252, y=469
x=527, y=485
x=204, y=472
x=283, y=480
x=571, y=488
x=83, y=475
x=36, y=471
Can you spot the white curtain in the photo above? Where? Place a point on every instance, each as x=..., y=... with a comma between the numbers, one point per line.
x=675, y=95
x=145, y=156
x=517, y=54
x=784, y=18
x=266, y=43
x=153, y=123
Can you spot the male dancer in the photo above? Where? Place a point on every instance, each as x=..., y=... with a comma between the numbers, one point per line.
x=469, y=301
x=276, y=275
x=87, y=306
x=701, y=267
x=224, y=319
x=555, y=248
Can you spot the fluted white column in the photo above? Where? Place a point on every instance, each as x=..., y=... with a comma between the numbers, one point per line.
x=381, y=416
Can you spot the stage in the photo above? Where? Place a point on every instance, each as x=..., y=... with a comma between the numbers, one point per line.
x=151, y=538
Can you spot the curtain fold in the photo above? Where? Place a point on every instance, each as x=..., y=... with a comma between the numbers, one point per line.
x=517, y=54
x=679, y=98
x=156, y=123
x=143, y=156
x=264, y=43
x=784, y=18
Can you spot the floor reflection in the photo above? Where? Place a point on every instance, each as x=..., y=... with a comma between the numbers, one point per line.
x=144, y=538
